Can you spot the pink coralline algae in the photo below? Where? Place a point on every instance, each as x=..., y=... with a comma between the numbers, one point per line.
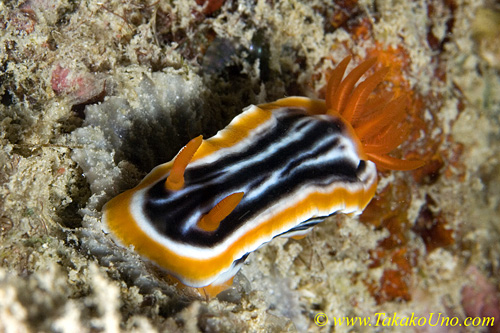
x=480, y=298
x=81, y=87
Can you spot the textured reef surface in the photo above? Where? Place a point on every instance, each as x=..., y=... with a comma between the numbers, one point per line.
x=94, y=94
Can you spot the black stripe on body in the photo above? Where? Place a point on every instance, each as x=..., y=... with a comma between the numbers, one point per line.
x=304, y=226
x=300, y=151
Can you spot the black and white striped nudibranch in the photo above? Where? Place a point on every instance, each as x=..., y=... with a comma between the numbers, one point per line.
x=276, y=170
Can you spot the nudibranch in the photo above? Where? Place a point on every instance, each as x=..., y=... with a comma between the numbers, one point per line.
x=277, y=169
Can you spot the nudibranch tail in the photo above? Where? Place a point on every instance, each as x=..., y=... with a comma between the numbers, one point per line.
x=175, y=181
x=377, y=122
x=212, y=220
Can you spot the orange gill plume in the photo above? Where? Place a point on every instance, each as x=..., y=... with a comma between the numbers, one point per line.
x=377, y=120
